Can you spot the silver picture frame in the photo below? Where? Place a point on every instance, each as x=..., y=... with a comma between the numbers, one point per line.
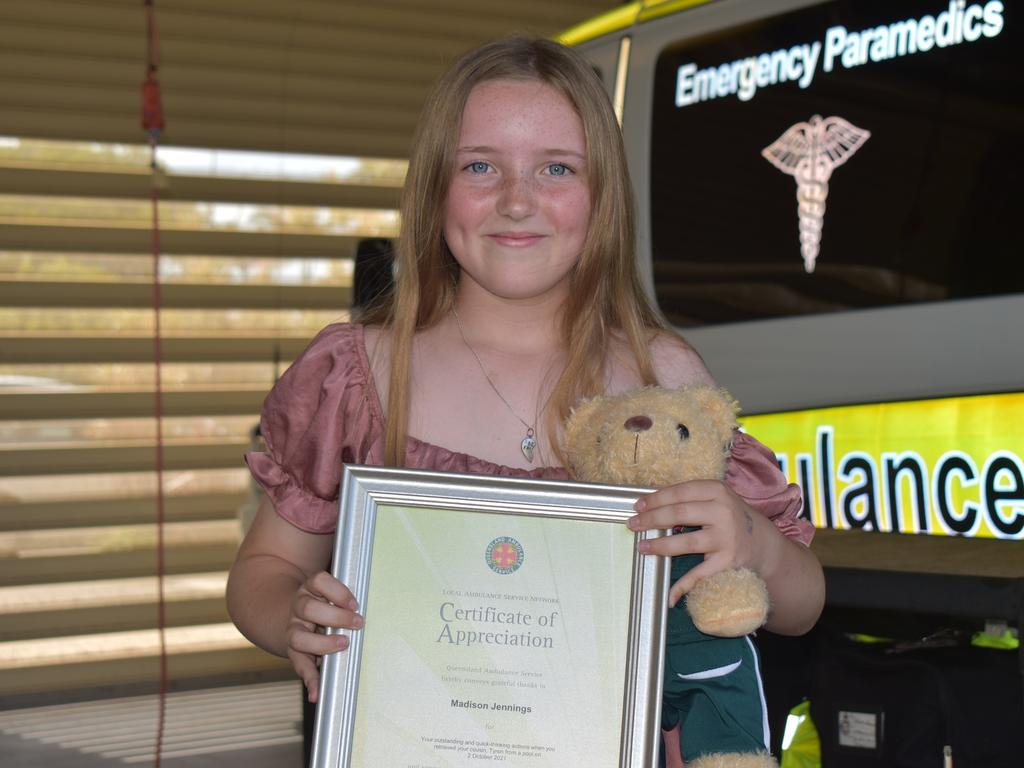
x=368, y=492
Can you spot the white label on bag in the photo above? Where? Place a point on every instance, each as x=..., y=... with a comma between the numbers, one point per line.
x=858, y=729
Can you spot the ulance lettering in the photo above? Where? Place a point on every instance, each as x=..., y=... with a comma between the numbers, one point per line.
x=898, y=492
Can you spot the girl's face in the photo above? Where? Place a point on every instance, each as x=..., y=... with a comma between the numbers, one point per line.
x=519, y=203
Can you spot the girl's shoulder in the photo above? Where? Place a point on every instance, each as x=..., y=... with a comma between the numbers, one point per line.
x=676, y=362
x=335, y=345
x=337, y=366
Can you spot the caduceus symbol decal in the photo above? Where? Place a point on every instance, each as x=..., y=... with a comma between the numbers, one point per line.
x=810, y=152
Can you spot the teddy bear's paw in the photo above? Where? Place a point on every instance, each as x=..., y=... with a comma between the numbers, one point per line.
x=734, y=760
x=729, y=603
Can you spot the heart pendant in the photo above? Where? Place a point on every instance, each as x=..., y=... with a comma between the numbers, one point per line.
x=528, y=444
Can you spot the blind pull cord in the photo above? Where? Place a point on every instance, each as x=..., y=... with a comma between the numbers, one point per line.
x=153, y=125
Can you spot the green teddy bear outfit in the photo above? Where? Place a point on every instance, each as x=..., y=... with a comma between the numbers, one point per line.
x=712, y=685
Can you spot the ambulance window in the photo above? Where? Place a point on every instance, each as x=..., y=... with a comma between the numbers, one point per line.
x=906, y=190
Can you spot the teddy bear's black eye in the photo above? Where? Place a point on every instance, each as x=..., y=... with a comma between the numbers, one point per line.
x=684, y=433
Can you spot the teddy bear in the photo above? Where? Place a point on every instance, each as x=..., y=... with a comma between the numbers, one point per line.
x=656, y=437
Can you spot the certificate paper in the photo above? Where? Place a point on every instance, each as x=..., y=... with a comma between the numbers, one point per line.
x=498, y=630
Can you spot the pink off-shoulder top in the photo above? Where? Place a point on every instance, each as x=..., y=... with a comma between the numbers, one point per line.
x=325, y=411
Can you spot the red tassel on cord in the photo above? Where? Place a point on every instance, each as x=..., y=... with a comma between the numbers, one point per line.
x=152, y=106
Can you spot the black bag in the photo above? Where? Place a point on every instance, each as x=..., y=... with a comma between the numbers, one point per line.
x=924, y=705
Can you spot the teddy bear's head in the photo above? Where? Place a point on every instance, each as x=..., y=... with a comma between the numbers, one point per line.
x=652, y=436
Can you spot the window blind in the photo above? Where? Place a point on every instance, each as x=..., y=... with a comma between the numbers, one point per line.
x=287, y=125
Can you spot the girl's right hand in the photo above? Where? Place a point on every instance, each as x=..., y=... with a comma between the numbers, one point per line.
x=322, y=601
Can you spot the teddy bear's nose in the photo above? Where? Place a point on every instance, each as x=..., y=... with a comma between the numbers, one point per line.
x=638, y=424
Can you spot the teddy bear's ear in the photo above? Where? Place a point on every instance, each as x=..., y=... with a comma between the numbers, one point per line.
x=580, y=420
x=581, y=430
x=720, y=406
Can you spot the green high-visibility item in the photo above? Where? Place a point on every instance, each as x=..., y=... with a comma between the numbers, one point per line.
x=1007, y=641
x=801, y=747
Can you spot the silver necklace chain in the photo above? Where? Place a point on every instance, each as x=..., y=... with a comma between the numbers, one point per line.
x=529, y=442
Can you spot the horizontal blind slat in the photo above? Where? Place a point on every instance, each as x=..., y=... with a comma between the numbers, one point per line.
x=117, y=511
x=92, y=349
x=38, y=293
x=83, y=405
x=272, y=135
x=33, y=237
x=81, y=183
x=117, y=81
x=260, y=52
x=139, y=456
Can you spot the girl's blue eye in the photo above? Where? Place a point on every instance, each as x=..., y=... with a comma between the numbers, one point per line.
x=479, y=167
x=557, y=169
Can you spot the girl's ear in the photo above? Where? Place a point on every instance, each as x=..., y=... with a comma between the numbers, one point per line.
x=721, y=408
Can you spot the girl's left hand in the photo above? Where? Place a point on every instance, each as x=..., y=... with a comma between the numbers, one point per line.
x=729, y=529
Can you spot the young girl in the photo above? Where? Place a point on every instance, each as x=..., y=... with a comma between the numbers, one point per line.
x=516, y=295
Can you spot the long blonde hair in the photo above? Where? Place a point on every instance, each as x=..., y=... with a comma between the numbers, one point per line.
x=605, y=294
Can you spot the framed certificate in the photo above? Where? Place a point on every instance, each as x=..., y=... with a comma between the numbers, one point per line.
x=508, y=622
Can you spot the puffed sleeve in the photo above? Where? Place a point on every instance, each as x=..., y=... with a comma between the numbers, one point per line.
x=317, y=416
x=753, y=473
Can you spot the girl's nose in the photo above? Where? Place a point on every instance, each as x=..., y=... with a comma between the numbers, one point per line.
x=518, y=197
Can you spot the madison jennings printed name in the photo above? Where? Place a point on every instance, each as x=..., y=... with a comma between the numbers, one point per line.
x=493, y=706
